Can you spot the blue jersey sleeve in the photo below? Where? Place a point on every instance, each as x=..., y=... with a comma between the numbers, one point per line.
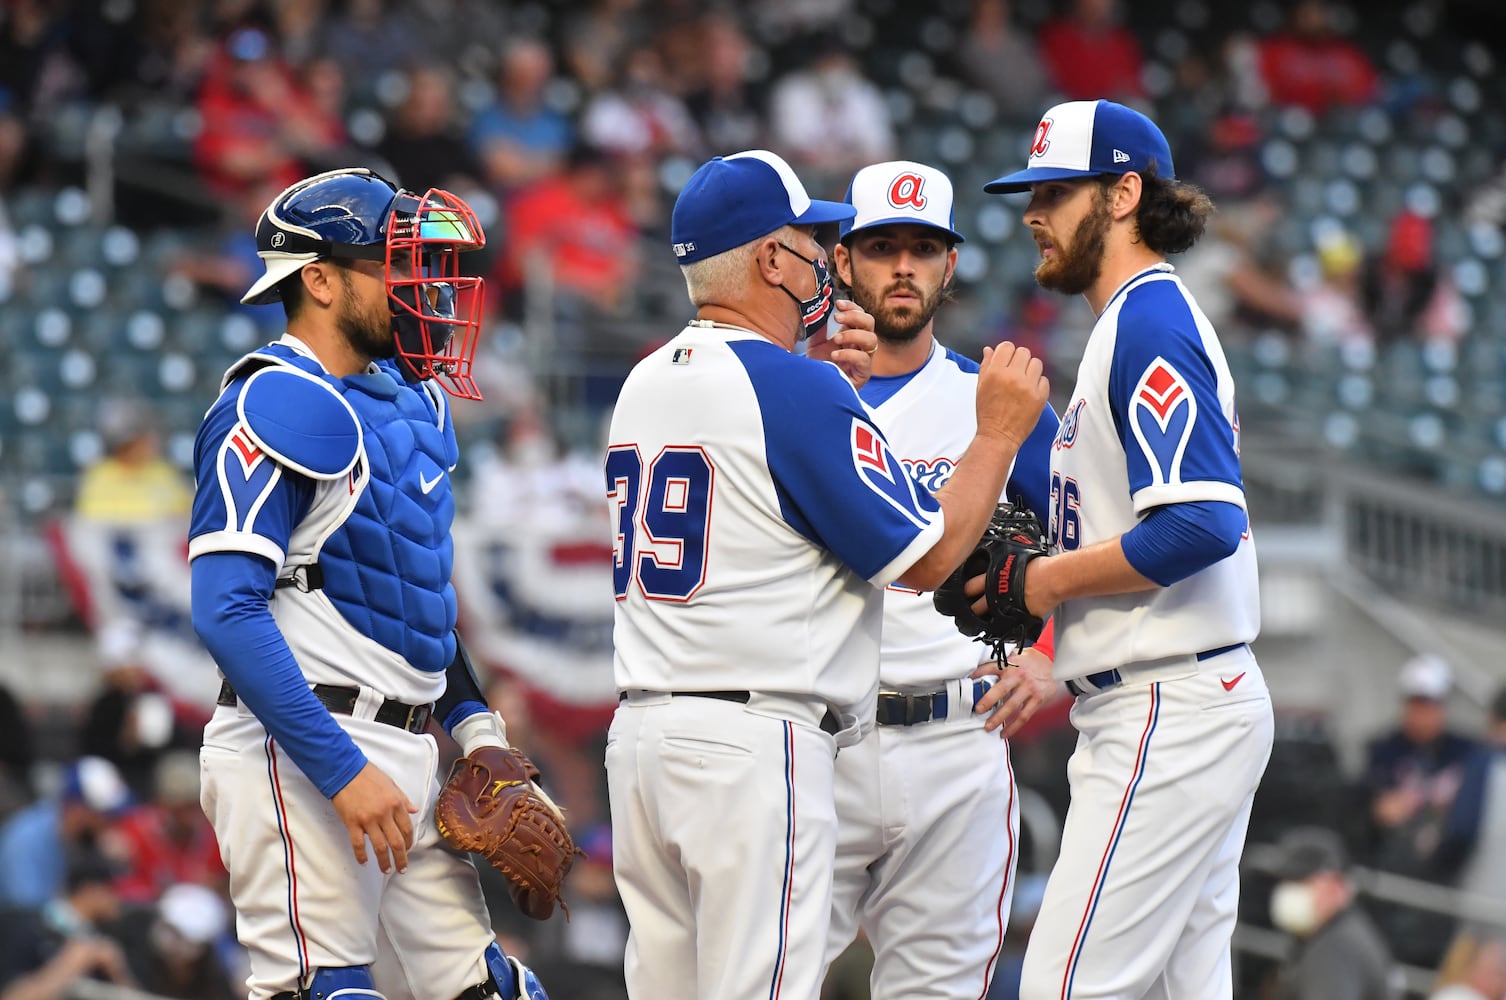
x=837, y=481
x=230, y=613
x=1030, y=479
x=244, y=500
x=1163, y=392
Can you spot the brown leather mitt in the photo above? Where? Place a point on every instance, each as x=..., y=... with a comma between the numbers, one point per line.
x=489, y=806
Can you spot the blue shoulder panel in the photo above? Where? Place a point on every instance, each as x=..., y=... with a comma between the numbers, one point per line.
x=837, y=482
x=300, y=420
x=1163, y=393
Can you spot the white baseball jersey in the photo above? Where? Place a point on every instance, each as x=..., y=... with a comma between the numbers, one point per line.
x=930, y=421
x=1152, y=422
x=759, y=513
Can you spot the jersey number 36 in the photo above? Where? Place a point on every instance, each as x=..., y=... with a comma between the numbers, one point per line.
x=663, y=512
x=1066, y=519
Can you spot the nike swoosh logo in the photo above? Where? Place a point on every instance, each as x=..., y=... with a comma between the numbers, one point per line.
x=1229, y=685
x=428, y=484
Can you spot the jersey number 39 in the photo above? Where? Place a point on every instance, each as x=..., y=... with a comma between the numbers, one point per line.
x=663, y=514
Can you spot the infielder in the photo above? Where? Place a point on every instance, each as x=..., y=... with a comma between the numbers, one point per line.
x=321, y=555
x=928, y=816
x=759, y=515
x=1153, y=581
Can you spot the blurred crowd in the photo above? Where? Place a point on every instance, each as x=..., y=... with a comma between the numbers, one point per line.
x=570, y=127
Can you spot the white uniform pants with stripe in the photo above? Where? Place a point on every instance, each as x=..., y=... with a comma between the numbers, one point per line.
x=1142, y=900
x=723, y=837
x=927, y=846
x=301, y=900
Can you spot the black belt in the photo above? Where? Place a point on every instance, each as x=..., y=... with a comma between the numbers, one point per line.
x=829, y=722
x=1106, y=679
x=896, y=709
x=342, y=701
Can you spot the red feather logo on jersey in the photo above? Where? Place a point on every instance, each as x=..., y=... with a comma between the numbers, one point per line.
x=1162, y=412
x=869, y=451
x=246, y=449
x=882, y=472
x=1161, y=389
x=905, y=191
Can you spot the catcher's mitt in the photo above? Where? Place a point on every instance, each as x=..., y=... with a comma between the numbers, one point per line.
x=1013, y=538
x=489, y=806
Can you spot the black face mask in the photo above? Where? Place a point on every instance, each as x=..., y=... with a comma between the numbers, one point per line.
x=418, y=341
x=815, y=310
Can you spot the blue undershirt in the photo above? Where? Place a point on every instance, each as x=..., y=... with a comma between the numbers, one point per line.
x=1175, y=541
x=230, y=613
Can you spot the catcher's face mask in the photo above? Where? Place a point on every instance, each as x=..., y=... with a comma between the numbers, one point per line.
x=436, y=312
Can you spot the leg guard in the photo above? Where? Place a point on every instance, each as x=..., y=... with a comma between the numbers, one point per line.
x=349, y=983
x=510, y=980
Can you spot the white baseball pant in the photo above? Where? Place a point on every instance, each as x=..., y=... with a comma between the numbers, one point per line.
x=723, y=839
x=927, y=847
x=302, y=901
x=1142, y=901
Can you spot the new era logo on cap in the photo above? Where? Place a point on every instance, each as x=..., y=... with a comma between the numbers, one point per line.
x=1086, y=139
x=900, y=191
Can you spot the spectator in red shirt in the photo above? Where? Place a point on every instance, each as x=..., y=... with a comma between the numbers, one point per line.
x=258, y=123
x=578, y=223
x=168, y=840
x=1308, y=66
x=1089, y=54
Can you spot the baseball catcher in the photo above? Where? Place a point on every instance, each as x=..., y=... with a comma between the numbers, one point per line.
x=1013, y=538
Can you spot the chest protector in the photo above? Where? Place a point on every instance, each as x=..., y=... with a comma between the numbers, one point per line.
x=386, y=565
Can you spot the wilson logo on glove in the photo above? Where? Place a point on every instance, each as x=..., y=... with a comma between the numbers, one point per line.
x=1013, y=538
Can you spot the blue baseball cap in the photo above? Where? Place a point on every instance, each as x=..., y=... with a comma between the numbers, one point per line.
x=901, y=192
x=1089, y=139
x=732, y=200
x=97, y=784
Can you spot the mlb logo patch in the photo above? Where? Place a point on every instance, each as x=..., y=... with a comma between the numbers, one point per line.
x=681, y=356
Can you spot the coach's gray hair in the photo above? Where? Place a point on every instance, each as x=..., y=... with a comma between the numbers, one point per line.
x=721, y=278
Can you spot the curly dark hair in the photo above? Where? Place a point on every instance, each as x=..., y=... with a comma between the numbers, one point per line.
x=1172, y=213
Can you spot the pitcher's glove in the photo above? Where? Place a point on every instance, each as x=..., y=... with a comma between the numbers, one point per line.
x=490, y=806
x=1013, y=538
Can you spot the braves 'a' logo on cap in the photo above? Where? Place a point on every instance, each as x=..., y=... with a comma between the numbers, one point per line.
x=1042, y=141
x=906, y=189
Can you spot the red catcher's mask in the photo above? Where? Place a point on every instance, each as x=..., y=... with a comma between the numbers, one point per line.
x=436, y=312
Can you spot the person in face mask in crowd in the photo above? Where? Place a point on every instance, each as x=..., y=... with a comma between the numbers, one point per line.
x=1340, y=954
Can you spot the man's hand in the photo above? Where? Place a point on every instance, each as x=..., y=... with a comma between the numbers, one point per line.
x=851, y=346
x=1020, y=688
x=1012, y=392
x=372, y=807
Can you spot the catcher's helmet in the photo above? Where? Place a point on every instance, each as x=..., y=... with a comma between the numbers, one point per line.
x=357, y=214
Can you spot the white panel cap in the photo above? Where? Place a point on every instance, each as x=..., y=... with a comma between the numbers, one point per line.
x=901, y=192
